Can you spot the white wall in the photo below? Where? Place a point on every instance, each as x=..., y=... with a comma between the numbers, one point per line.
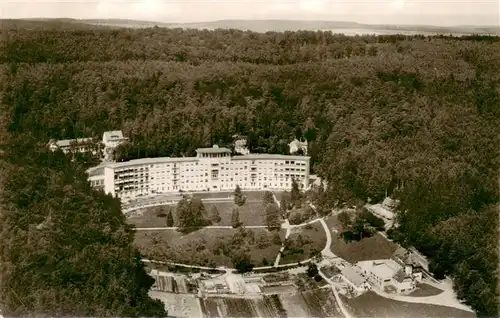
x=167, y=175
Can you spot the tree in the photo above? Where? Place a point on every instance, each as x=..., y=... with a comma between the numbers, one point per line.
x=276, y=240
x=239, y=199
x=214, y=215
x=235, y=218
x=312, y=270
x=264, y=241
x=272, y=217
x=242, y=262
x=296, y=218
x=295, y=195
x=284, y=204
x=170, y=219
x=345, y=220
x=191, y=214
x=85, y=240
x=268, y=197
x=437, y=166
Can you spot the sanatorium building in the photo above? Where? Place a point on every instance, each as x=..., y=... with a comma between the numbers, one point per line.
x=213, y=169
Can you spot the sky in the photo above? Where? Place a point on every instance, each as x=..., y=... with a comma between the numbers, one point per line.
x=428, y=12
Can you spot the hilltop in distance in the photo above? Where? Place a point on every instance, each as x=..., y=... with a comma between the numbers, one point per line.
x=346, y=27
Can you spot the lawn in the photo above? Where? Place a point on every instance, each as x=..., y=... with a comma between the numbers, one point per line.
x=372, y=305
x=148, y=217
x=372, y=248
x=425, y=290
x=199, y=247
x=213, y=195
x=251, y=213
x=333, y=223
x=316, y=236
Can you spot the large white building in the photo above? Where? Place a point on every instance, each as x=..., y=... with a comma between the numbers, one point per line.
x=213, y=169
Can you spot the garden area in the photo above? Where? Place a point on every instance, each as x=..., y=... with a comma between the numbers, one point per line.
x=210, y=247
x=303, y=243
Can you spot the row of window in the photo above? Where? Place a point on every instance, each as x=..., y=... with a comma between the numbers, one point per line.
x=157, y=188
x=193, y=164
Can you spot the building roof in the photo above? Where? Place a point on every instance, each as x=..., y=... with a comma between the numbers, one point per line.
x=390, y=203
x=353, y=275
x=265, y=156
x=384, y=269
x=150, y=161
x=381, y=211
x=112, y=135
x=67, y=142
x=214, y=149
x=402, y=254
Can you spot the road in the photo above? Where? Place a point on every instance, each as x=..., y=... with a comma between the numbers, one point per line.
x=344, y=311
x=205, y=227
x=220, y=268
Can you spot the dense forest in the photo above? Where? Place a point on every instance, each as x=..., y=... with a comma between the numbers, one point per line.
x=415, y=116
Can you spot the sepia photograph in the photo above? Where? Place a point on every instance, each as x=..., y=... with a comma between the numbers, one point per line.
x=250, y=158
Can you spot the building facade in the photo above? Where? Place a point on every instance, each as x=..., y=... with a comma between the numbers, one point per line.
x=388, y=273
x=81, y=145
x=105, y=148
x=213, y=169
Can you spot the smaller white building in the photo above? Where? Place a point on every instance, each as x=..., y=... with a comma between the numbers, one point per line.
x=353, y=276
x=388, y=274
x=111, y=140
x=240, y=146
x=297, y=145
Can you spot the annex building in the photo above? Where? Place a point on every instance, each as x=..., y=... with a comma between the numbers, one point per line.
x=213, y=169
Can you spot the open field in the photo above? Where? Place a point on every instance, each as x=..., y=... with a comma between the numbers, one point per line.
x=424, y=290
x=314, y=239
x=372, y=248
x=179, y=305
x=267, y=306
x=372, y=305
x=199, y=247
